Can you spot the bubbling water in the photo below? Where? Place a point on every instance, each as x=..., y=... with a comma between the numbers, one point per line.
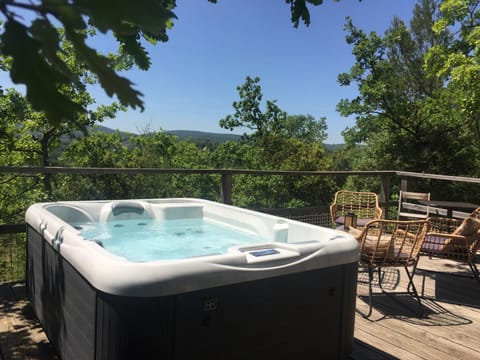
x=148, y=240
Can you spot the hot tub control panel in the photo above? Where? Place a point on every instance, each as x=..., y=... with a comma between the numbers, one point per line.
x=264, y=252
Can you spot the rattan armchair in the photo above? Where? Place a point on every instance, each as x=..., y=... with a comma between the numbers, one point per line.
x=391, y=243
x=363, y=204
x=454, y=239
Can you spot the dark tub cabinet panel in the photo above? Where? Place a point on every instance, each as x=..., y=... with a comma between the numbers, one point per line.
x=298, y=316
x=134, y=328
x=62, y=300
x=306, y=315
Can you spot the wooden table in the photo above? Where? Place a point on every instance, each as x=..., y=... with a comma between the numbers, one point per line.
x=451, y=205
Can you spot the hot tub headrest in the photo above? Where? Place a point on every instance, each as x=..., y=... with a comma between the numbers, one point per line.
x=127, y=207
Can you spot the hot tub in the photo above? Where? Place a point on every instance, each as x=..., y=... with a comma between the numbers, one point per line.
x=143, y=279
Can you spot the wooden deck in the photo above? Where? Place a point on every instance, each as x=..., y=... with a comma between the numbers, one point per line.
x=449, y=329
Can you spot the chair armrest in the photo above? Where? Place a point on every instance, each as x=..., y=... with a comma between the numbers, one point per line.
x=450, y=245
x=333, y=209
x=445, y=235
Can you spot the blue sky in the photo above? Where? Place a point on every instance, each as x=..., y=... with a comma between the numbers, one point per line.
x=213, y=47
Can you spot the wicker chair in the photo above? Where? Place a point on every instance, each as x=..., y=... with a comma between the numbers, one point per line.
x=391, y=243
x=454, y=239
x=363, y=204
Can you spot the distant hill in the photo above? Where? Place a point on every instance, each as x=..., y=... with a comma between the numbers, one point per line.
x=106, y=130
x=201, y=135
x=333, y=147
x=217, y=137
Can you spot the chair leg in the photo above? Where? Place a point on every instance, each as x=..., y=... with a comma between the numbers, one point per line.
x=380, y=277
x=370, y=279
x=475, y=271
x=412, y=286
x=410, y=283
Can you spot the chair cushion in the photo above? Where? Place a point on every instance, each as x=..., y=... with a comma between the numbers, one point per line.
x=453, y=247
x=382, y=248
x=469, y=226
x=360, y=221
x=400, y=256
x=434, y=243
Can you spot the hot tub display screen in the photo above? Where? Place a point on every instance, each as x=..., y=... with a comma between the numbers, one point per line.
x=264, y=252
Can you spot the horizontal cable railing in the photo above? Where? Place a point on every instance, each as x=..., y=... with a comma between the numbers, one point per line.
x=12, y=236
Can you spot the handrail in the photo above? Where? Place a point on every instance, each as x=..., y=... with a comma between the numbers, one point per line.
x=12, y=228
x=109, y=170
x=113, y=171
x=437, y=177
x=226, y=189
x=226, y=178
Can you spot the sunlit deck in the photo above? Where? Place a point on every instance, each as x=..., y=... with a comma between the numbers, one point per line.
x=450, y=328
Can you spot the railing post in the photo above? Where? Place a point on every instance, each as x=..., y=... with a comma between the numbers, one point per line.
x=385, y=193
x=403, y=184
x=226, y=189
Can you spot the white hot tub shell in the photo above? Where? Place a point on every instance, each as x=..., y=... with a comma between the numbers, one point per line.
x=290, y=296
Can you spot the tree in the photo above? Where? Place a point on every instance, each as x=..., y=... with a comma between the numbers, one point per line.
x=459, y=61
x=271, y=122
x=306, y=128
x=248, y=113
x=30, y=132
x=96, y=150
x=28, y=138
x=34, y=47
x=32, y=42
x=277, y=142
x=17, y=148
x=404, y=112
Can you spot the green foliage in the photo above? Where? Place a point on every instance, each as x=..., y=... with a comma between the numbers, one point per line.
x=271, y=122
x=277, y=142
x=405, y=113
x=306, y=128
x=33, y=48
x=151, y=150
x=459, y=62
x=248, y=113
x=276, y=136
x=300, y=12
x=36, y=67
x=27, y=137
x=97, y=150
x=417, y=108
x=12, y=257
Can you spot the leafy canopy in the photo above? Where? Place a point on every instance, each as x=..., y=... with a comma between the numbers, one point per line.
x=31, y=41
x=412, y=116
x=273, y=121
x=460, y=62
x=35, y=46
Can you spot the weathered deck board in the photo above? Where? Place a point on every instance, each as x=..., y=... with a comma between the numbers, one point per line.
x=449, y=329
x=21, y=336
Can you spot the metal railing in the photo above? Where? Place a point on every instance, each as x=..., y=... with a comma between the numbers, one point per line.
x=12, y=236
